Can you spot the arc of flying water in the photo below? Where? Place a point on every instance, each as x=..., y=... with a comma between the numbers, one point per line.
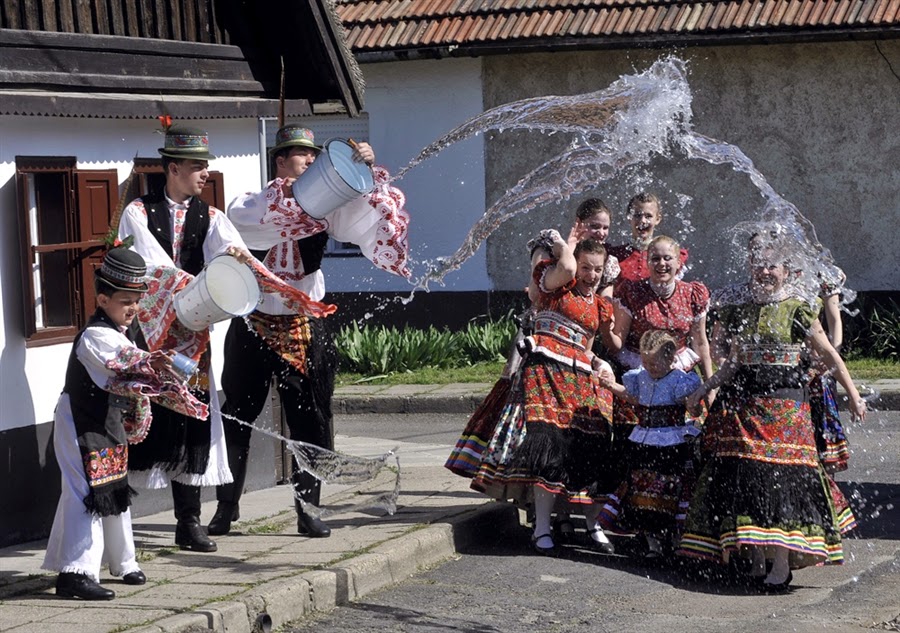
x=636, y=117
x=811, y=257
x=589, y=114
x=623, y=125
x=337, y=468
x=567, y=174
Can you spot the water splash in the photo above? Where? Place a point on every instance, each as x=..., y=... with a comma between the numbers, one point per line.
x=626, y=124
x=636, y=119
x=337, y=468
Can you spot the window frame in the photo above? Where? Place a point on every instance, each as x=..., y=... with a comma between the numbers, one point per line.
x=82, y=251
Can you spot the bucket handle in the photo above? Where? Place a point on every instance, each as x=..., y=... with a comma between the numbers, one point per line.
x=355, y=146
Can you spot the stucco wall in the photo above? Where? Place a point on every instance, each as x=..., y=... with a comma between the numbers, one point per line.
x=32, y=378
x=819, y=120
x=410, y=105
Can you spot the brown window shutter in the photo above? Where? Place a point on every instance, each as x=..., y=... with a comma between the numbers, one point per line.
x=96, y=197
x=26, y=255
x=213, y=193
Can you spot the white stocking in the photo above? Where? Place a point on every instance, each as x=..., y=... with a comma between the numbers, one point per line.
x=780, y=567
x=543, y=507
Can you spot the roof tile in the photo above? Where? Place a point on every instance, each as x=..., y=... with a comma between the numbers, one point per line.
x=404, y=24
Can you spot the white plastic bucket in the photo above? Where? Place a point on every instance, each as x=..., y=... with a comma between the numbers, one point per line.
x=333, y=180
x=224, y=289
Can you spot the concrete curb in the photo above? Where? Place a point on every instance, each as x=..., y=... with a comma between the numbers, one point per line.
x=466, y=404
x=284, y=600
x=349, y=404
x=889, y=401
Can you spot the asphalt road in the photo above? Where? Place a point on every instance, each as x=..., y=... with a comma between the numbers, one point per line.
x=500, y=586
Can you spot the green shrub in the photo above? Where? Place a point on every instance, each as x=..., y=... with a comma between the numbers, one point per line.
x=377, y=350
x=884, y=329
x=875, y=331
x=487, y=341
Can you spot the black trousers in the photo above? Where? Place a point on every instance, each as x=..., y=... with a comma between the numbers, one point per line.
x=251, y=365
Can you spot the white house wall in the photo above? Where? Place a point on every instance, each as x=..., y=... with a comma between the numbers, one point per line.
x=31, y=379
x=410, y=105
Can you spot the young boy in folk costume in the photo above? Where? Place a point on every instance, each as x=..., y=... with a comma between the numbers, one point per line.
x=104, y=406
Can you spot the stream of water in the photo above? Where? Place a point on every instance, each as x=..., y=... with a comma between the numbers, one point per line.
x=637, y=119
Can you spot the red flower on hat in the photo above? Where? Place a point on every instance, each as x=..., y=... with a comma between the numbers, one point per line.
x=165, y=120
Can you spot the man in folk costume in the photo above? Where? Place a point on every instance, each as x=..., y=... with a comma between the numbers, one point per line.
x=104, y=406
x=177, y=233
x=282, y=342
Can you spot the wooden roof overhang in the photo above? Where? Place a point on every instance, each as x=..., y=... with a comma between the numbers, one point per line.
x=226, y=65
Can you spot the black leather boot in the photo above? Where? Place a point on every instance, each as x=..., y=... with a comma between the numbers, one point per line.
x=229, y=495
x=189, y=534
x=309, y=488
x=72, y=585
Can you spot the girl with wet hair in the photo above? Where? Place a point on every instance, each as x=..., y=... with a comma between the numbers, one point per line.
x=644, y=214
x=592, y=221
x=662, y=302
x=552, y=441
x=762, y=493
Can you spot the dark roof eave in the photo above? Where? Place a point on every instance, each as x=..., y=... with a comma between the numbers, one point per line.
x=561, y=44
x=112, y=106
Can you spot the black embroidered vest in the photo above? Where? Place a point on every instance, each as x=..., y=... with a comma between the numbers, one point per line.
x=196, y=225
x=102, y=441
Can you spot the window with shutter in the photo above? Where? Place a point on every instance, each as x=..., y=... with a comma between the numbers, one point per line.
x=64, y=213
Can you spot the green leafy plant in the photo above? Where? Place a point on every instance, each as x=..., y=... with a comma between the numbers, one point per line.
x=884, y=328
x=487, y=341
x=377, y=350
x=875, y=331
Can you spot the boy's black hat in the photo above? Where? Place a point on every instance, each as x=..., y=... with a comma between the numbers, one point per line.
x=123, y=269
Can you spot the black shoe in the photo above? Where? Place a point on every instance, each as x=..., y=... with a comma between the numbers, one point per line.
x=564, y=530
x=782, y=587
x=191, y=536
x=221, y=521
x=653, y=549
x=134, y=578
x=72, y=585
x=605, y=548
x=311, y=526
x=645, y=547
x=228, y=495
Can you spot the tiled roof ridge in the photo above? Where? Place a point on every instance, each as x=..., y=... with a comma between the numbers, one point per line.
x=363, y=11
x=398, y=24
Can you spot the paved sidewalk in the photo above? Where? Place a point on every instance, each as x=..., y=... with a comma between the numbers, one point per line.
x=264, y=568
x=465, y=397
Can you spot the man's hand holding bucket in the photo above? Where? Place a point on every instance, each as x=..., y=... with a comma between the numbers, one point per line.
x=240, y=254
